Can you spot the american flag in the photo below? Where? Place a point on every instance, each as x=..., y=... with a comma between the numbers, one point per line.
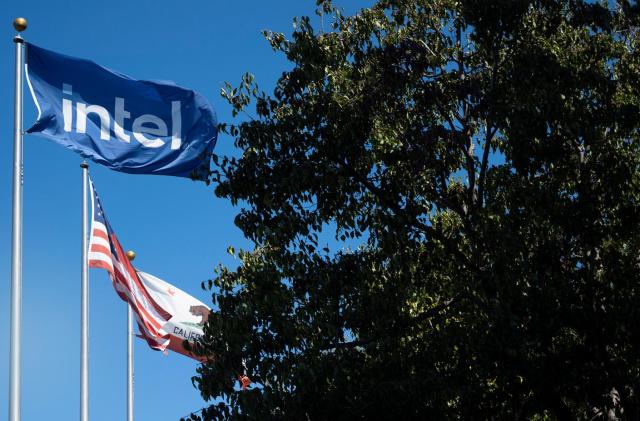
x=106, y=252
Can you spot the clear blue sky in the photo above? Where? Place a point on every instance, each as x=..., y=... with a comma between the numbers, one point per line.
x=178, y=228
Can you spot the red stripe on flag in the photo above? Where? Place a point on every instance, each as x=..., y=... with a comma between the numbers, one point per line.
x=100, y=249
x=97, y=232
x=176, y=345
x=134, y=303
x=150, y=316
x=151, y=341
x=100, y=264
x=134, y=275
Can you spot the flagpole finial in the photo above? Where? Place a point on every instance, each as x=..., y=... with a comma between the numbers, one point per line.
x=131, y=255
x=84, y=165
x=20, y=24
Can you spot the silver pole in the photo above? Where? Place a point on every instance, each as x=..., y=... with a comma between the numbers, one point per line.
x=16, y=238
x=130, y=255
x=129, y=364
x=84, y=312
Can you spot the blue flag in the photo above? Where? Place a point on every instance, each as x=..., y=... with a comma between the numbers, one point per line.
x=128, y=125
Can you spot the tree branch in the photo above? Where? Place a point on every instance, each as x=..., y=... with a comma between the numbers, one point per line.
x=468, y=147
x=489, y=134
x=433, y=311
x=399, y=211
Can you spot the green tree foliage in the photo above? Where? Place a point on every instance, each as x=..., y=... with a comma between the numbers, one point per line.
x=444, y=200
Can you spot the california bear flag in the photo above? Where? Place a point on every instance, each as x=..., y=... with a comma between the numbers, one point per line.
x=188, y=313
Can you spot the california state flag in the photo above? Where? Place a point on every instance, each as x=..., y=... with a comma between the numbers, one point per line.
x=188, y=313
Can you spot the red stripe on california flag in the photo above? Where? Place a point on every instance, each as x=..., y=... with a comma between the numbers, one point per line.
x=176, y=345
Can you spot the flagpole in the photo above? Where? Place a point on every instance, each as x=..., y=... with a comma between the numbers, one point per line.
x=20, y=24
x=84, y=311
x=130, y=255
x=129, y=364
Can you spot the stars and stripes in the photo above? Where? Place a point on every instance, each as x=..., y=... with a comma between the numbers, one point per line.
x=106, y=252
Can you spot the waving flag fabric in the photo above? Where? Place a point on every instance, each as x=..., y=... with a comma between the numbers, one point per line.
x=106, y=252
x=189, y=314
x=128, y=125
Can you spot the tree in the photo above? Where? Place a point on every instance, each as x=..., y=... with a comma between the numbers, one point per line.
x=444, y=198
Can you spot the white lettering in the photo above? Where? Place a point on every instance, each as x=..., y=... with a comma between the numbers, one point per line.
x=160, y=129
x=121, y=115
x=82, y=110
x=147, y=129
x=67, y=114
x=67, y=107
x=176, y=125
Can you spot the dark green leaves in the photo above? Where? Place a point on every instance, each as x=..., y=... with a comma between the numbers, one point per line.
x=444, y=201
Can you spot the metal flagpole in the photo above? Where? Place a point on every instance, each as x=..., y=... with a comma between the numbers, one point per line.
x=129, y=364
x=130, y=255
x=84, y=311
x=20, y=24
